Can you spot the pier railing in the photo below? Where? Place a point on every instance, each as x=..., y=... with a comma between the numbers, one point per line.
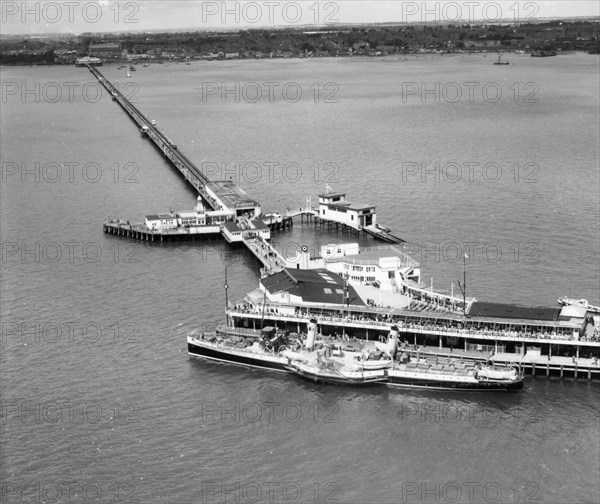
x=272, y=260
x=405, y=260
x=424, y=329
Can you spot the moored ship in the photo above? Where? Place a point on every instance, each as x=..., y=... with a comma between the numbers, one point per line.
x=583, y=303
x=331, y=360
x=248, y=348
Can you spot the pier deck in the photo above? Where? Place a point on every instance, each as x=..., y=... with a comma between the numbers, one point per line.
x=375, y=232
x=302, y=212
x=575, y=367
x=271, y=259
x=139, y=231
x=543, y=364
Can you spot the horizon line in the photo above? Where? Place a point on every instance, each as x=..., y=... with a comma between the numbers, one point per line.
x=334, y=27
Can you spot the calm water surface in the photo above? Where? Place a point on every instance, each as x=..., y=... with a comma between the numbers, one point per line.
x=100, y=402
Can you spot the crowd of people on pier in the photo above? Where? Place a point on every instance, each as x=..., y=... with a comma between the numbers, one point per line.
x=423, y=326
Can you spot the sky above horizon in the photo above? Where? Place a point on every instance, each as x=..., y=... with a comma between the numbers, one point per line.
x=96, y=16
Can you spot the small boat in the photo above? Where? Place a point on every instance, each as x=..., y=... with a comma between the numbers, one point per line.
x=272, y=218
x=132, y=68
x=583, y=303
x=499, y=62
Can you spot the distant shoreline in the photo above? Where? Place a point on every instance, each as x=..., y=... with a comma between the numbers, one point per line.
x=361, y=57
x=307, y=42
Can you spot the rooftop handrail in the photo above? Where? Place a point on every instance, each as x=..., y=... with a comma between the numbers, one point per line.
x=405, y=259
x=430, y=328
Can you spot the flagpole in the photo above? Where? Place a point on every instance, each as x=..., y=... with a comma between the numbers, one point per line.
x=262, y=318
x=464, y=289
x=226, y=287
x=344, y=290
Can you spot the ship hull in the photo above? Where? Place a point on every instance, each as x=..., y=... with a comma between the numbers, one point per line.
x=409, y=382
x=222, y=355
x=436, y=384
x=331, y=379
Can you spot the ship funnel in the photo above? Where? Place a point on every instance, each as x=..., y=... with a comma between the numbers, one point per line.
x=312, y=334
x=392, y=341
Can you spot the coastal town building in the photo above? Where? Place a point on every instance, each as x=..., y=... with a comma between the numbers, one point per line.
x=334, y=207
x=107, y=51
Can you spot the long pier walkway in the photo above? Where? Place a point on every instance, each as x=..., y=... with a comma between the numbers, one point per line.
x=179, y=160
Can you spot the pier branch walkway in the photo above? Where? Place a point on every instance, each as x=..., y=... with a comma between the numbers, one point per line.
x=271, y=259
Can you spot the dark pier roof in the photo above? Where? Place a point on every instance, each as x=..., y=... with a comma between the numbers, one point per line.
x=502, y=310
x=313, y=286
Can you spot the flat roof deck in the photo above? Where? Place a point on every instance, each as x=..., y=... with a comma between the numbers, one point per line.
x=348, y=205
x=231, y=195
x=374, y=254
x=360, y=206
x=160, y=216
x=260, y=225
x=232, y=227
x=332, y=195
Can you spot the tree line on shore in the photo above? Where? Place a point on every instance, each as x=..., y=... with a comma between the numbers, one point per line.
x=373, y=40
